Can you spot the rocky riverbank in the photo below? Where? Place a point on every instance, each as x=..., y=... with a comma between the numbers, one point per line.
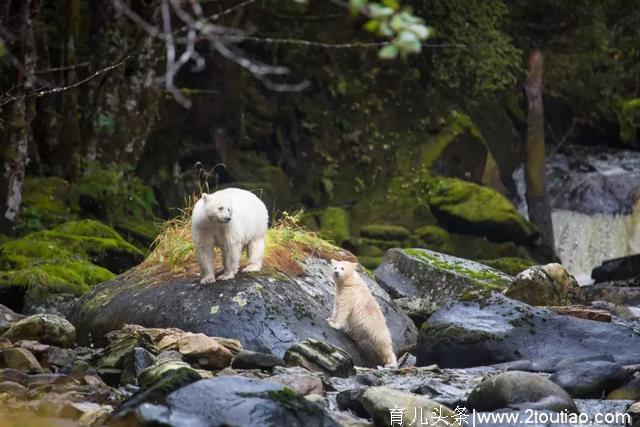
x=257, y=351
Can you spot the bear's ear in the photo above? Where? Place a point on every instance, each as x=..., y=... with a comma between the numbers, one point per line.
x=204, y=196
x=333, y=262
x=354, y=264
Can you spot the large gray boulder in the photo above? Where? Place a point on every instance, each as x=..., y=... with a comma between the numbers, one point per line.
x=436, y=278
x=266, y=312
x=498, y=329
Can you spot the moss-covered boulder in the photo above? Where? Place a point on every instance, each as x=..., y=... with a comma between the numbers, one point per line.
x=117, y=198
x=45, y=204
x=435, y=277
x=468, y=208
x=547, y=284
x=69, y=258
x=384, y=232
x=334, y=224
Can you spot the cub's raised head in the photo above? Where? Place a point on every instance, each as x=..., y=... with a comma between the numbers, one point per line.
x=218, y=206
x=342, y=269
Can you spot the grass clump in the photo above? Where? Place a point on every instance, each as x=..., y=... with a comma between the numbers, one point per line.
x=288, y=243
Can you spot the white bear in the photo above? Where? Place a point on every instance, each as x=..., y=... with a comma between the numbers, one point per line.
x=356, y=311
x=229, y=219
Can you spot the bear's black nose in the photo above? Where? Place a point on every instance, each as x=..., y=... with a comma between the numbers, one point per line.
x=226, y=219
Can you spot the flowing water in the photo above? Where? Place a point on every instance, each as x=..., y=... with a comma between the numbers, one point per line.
x=594, y=196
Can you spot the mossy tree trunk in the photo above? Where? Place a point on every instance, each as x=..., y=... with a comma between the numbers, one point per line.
x=19, y=133
x=536, y=193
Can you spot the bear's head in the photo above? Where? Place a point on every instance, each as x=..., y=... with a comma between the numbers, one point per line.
x=342, y=269
x=218, y=206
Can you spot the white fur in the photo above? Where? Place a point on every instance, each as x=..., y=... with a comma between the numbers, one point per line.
x=247, y=225
x=356, y=311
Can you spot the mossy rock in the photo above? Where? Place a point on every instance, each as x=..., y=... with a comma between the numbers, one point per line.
x=369, y=262
x=116, y=198
x=435, y=277
x=67, y=259
x=334, y=224
x=511, y=265
x=383, y=245
x=466, y=245
x=384, y=232
x=45, y=203
x=468, y=208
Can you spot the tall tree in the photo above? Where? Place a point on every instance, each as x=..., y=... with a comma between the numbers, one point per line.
x=537, y=197
x=19, y=134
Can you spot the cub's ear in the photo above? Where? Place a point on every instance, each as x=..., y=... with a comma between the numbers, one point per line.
x=204, y=196
x=354, y=264
x=333, y=262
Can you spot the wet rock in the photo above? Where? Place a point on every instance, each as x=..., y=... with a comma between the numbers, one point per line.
x=590, y=379
x=13, y=389
x=254, y=360
x=238, y=401
x=351, y=400
x=7, y=318
x=169, y=355
x=617, y=269
x=499, y=329
x=550, y=284
x=379, y=400
x=266, y=313
x=519, y=390
x=133, y=363
x=582, y=312
x=552, y=364
x=160, y=369
x=345, y=419
x=46, y=328
x=319, y=356
x=59, y=357
x=435, y=277
x=123, y=344
x=625, y=292
x=20, y=359
x=299, y=380
x=630, y=391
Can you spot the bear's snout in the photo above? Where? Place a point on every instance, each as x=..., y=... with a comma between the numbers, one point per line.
x=226, y=219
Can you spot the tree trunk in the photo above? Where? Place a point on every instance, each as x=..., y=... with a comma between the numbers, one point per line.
x=537, y=197
x=19, y=134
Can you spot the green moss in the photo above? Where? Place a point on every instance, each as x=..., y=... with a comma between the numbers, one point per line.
x=465, y=206
x=45, y=203
x=383, y=245
x=369, y=262
x=432, y=236
x=334, y=224
x=629, y=119
x=485, y=278
x=510, y=265
x=62, y=259
x=384, y=232
x=123, y=201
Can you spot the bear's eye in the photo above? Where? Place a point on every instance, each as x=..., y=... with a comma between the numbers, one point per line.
x=341, y=268
x=220, y=208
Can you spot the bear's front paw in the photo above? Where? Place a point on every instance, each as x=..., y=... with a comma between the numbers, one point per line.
x=226, y=276
x=251, y=268
x=207, y=280
x=333, y=324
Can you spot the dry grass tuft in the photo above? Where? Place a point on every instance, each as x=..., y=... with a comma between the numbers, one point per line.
x=287, y=244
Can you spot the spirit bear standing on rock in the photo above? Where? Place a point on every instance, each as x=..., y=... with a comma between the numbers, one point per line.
x=229, y=219
x=356, y=311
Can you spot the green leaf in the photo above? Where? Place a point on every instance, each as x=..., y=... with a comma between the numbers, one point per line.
x=357, y=5
x=393, y=4
x=420, y=30
x=388, y=52
x=372, y=25
x=377, y=11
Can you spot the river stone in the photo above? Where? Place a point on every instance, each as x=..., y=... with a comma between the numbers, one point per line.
x=623, y=292
x=630, y=391
x=46, y=328
x=255, y=360
x=133, y=363
x=20, y=359
x=7, y=318
x=591, y=380
x=267, y=313
x=436, y=278
x=550, y=284
x=379, y=401
x=519, y=390
x=237, y=401
x=499, y=329
x=318, y=356
x=623, y=268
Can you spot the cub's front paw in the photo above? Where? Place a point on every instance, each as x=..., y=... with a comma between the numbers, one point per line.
x=226, y=276
x=333, y=324
x=207, y=280
x=251, y=268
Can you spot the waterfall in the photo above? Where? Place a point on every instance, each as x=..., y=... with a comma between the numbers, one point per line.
x=595, y=207
x=584, y=241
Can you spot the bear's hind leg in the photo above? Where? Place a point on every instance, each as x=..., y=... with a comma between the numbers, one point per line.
x=256, y=253
x=204, y=246
x=231, y=261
